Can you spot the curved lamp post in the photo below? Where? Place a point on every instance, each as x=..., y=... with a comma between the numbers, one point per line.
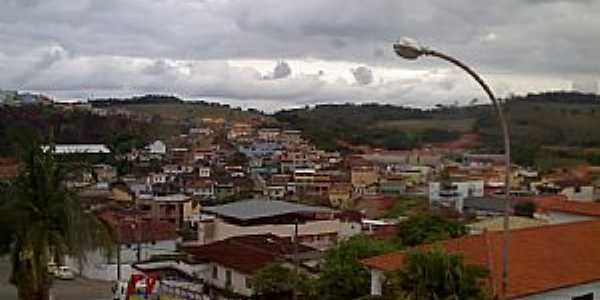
x=409, y=50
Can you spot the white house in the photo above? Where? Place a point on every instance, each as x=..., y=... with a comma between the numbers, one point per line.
x=454, y=193
x=157, y=147
x=230, y=263
x=204, y=172
x=151, y=238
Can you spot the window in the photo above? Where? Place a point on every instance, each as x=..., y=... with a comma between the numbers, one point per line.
x=215, y=272
x=228, y=278
x=248, y=282
x=588, y=296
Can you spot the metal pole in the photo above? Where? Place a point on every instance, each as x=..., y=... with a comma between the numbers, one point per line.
x=118, y=261
x=506, y=136
x=296, y=261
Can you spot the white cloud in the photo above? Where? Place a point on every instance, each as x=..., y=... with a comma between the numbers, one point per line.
x=362, y=75
x=223, y=49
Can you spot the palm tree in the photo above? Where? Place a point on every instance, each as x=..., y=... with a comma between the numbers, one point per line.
x=436, y=275
x=43, y=219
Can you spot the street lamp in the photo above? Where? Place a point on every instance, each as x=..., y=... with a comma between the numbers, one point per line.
x=409, y=49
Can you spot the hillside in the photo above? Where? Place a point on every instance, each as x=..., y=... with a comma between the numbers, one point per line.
x=73, y=126
x=173, y=110
x=536, y=120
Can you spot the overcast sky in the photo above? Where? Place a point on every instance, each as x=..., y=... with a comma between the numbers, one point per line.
x=284, y=53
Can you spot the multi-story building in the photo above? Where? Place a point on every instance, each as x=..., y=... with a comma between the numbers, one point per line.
x=452, y=194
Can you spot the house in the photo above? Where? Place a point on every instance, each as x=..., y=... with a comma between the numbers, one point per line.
x=453, y=193
x=104, y=172
x=229, y=264
x=317, y=226
x=392, y=184
x=476, y=159
x=157, y=147
x=203, y=188
x=340, y=195
x=120, y=192
x=204, y=171
x=239, y=130
x=200, y=131
x=374, y=206
x=364, y=179
x=291, y=136
x=158, y=178
x=137, y=240
x=269, y=134
x=168, y=208
x=548, y=262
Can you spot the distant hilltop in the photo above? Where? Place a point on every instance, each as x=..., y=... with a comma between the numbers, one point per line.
x=150, y=99
x=15, y=98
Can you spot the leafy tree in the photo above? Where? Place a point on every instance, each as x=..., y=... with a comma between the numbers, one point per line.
x=525, y=209
x=406, y=206
x=278, y=282
x=342, y=275
x=42, y=219
x=434, y=274
x=424, y=228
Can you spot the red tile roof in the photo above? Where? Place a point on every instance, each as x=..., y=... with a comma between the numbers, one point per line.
x=149, y=231
x=248, y=253
x=541, y=259
x=126, y=228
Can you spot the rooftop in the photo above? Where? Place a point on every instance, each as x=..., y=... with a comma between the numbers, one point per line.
x=249, y=253
x=541, y=259
x=79, y=148
x=254, y=209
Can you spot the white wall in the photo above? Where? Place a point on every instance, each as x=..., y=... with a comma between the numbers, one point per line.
x=224, y=230
x=97, y=266
x=568, y=293
x=238, y=280
x=585, y=193
x=464, y=189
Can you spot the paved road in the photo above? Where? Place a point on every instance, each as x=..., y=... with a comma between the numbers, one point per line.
x=78, y=289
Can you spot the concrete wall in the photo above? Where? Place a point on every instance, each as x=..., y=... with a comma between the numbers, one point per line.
x=223, y=230
x=98, y=266
x=555, y=217
x=238, y=280
x=584, y=193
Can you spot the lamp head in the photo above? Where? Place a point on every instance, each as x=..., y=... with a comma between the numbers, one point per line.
x=408, y=49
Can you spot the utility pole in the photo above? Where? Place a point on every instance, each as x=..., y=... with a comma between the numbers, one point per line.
x=118, y=261
x=296, y=261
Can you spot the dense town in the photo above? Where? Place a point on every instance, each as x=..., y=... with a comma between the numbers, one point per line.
x=206, y=213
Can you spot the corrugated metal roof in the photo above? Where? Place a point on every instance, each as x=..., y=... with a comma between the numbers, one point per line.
x=256, y=208
x=78, y=148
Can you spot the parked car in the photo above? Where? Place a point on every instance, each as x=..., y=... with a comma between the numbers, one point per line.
x=64, y=273
x=52, y=268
